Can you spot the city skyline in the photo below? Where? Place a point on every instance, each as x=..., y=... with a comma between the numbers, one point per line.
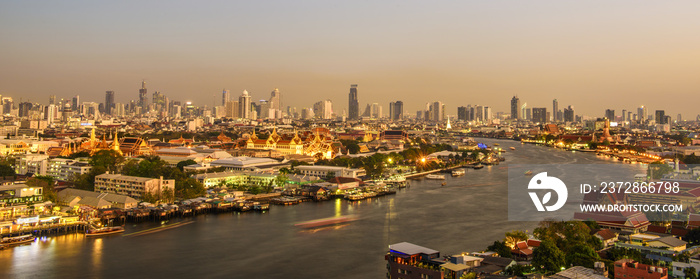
x=577, y=55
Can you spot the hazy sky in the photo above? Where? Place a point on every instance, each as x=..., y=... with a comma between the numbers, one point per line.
x=590, y=54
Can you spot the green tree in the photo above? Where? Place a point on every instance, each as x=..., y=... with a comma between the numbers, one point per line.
x=548, y=258
x=468, y=275
x=518, y=270
x=693, y=237
x=690, y=273
x=514, y=237
x=281, y=179
x=657, y=170
x=183, y=164
x=330, y=175
x=501, y=249
x=189, y=188
x=7, y=171
x=108, y=159
x=581, y=255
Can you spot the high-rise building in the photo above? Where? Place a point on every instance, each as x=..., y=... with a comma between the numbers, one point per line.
x=679, y=118
x=515, y=112
x=244, y=105
x=109, y=102
x=624, y=115
x=396, y=110
x=523, y=112
x=555, y=109
x=642, y=114
x=660, y=117
x=353, y=103
x=52, y=100
x=323, y=109
x=462, y=113
x=437, y=112
x=276, y=100
x=539, y=115
x=569, y=114
x=76, y=102
x=610, y=114
x=24, y=108
x=143, y=97
x=225, y=97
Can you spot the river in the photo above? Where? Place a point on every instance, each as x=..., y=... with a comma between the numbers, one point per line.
x=465, y=215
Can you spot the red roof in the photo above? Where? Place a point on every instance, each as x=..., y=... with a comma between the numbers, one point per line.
x=533, y=243
x=656, y=229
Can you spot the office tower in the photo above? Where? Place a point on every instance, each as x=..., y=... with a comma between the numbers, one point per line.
x=555, y=109
x=143, y=98
x=109, y=102
x=528, y=114
x=276, y=100
x=479, y=114
x=539, y=115
x=323, y=109
x=661, y=117
x=515, y=112
x=523, y=112
x=232, y=109
x=396, y=110
x=244, y=105
x=610, y=114
x=353, y=103
x=24, y=108
x=624, y=115
x=436, y=112
x=76, y=102
x=487, y=114
x=52, y=99
x=376, y=111
x=225, y=97
x=462, y=113
x=569, y=114
x=679, y=118
x=642, y=114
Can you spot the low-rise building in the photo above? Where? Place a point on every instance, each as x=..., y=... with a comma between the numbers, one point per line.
x=407, y=260
x=322, y=171
x=132, y=186
x=72, y=197
x=628, y=268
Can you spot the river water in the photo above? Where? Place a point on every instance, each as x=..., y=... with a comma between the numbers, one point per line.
x=465, y=215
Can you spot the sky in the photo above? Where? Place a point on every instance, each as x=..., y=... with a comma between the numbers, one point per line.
x=594, y=55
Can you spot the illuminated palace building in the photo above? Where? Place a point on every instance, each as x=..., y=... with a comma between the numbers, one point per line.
x=129, y=146
x=319, y=146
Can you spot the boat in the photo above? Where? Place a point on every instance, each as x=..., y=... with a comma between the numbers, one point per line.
x=104, y=231
x=528, y=172
x=478, y=166
x=435, y=176
x=261, y=206
x=512, y=148
x=323, y=222
x=496, y=144
x=17, y=240
x=458, y=172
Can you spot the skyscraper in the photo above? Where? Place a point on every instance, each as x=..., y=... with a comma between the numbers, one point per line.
x=76, y=102
x=353, y=103
x=462, y=113
x=109, y=102
x=515, y=108
x=244, y=105
x=539, y=115
x=436, y=112
x=569, y=114
x=52, y=100
x=642, y=114
x=276, y=100
x=555, y=109
x=610, y=114
x=143, y=98
x=661, y=117
x=225, y=97
x=396, y=110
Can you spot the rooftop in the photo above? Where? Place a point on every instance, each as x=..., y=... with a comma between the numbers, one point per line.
x=410, y=249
